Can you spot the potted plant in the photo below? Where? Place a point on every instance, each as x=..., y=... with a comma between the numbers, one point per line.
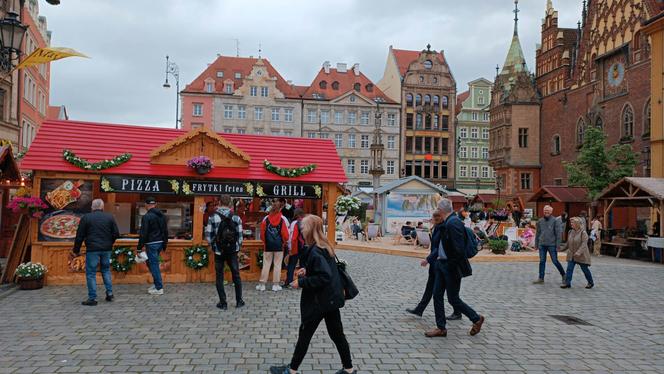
x=202, y=164
x=346, y=203
x=500, y=214
x=32, y=205
x=30, y=275
x=498, y=246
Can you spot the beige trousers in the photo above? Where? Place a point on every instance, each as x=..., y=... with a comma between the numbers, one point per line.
x=268, y=259
x=597, y=245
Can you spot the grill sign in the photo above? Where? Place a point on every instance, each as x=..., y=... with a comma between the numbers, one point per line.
x=301, y=191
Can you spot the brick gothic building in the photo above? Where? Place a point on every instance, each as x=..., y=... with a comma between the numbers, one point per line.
x=597, y=74
x=514, y=126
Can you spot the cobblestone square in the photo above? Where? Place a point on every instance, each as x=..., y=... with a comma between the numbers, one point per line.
x=48, y=331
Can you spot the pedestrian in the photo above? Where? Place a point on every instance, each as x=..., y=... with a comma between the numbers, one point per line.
x=224, y=235
x=596, y=235
x=322, y=297
x=288, y=210
x=437, y=220
x=99, y=231
x=275, y=239
x=577, y=253
x=464, y=216
x=295, y=245
x=451, y=266
x=547, y=239
x=154, y=236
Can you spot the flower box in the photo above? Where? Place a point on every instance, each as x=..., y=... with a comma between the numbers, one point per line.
x=31, y=283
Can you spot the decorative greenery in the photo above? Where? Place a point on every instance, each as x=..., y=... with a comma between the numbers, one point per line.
x=250, y=188
x=347, y=203
x=289, y=172
x=259, y=190
x=105, y=185
x=596, y=167
x=175, y=185
x=129, y=259
x=318, y=191
x=200, y=162
x=196, y=257
x=32, y=204
x=70, y=157
x=186, y=189
x=31, y=270
x=498, y=246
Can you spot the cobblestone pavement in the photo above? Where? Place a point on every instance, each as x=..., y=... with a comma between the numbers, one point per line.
x=49, y=331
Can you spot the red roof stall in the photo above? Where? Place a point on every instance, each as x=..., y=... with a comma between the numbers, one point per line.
x=76, y=162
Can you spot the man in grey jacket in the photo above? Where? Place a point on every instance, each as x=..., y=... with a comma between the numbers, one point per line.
x=547, y=239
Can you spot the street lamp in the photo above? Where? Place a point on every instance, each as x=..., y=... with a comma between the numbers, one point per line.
x=11, y=37
x=173, y=69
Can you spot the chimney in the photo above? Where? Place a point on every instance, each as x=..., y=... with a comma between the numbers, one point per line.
x=341, y=67
x=356, y=69
x=326, y=67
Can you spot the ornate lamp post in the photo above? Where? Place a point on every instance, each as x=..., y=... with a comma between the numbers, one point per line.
x=11, y=37
x=377, y=149
x=173, y=69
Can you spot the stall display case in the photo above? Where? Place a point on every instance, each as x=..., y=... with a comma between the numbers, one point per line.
x=178, y=217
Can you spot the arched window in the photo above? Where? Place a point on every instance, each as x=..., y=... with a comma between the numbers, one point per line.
x=427, y=99
x=418, y=121
x=580, y=132
x=599, y=122
x=445, y=102
x=628, y=122
x=335, y=85
x=436, y=100
x=646, y=120
x=357, y=87
x=418, y=99
x=322, y=85
x=428, y=64
x=555, y=145
x=409, y=99
x=369, y=87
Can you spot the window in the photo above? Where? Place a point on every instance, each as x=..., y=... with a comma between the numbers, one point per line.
x=352, y=98
x=324, y=135
x=258, y=131
x=338, y=117
x=473, y=152
x=364, y=118
x=351, y=140
x=436, y=101
x=241, y=131
x=322, y=85
x=555, y=145
x=276, y=133
x=198, y=110
x=558, y=182
x=228, y=111
x=275, y=114
x=418, y=100
x=475, y=116
x=390, y=167
x=391, y=142
x=646, y=120
x=253, y=91
x=446, y=123
x=435, y=122
x=486, y=116
x=369, y=87
x=418, y=121
x=485, y=133
x=351, y=118
x=264, y=91
x=338, y=140
x=258, y=114
x=474, y=132
x=312, y=135
x=409, y=121
x=357, y=87
x=421, y=78
x=523, y=138
x=364, y=141
x=580, y=132
x=628, y=122
x=311, y=116
x=229, y=88
x=485, y=153
x=428, y=64
x=288, y=114
x=364, y=166
x=409, y=99
x=288, y=133
x=485, y=172
x=480, y=100
x=599, y=122
x=444, y=146
x=228, y=130
x=324, y=116
x=525, y=181
x=445, y=102
x=238, y=75
x=463, y=153
x=463, y=171
x=350, y=166
x=209, y=87
x=427, y=99
x=463, y=132
x=391, y=119
x=335, y=85
x=473, y=171
x=435, y=80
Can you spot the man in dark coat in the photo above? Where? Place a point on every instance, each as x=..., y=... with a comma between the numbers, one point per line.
x=451, y=266
x=154, y=236
x=99, y=231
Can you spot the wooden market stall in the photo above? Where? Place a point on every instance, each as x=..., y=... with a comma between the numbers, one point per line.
x=136, y=162
x=572, y=200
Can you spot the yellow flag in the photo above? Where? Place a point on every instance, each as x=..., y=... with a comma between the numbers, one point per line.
x=48, y=54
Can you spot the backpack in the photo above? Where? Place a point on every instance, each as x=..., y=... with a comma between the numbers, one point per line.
x=472, y=243
x=300, y=238
x=227, y=235
x=273, y=239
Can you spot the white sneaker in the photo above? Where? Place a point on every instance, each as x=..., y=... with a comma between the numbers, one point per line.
x=155, y=291
x=151, y=288
x=261, y=287
x=276, y=287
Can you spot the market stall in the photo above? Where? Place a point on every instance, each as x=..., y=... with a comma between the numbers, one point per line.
x=572, y=200
x=76, y=162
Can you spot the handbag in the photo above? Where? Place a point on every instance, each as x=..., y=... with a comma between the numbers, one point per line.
x=350, y=290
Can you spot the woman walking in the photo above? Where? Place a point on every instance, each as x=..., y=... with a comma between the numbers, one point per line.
x=322, y=296
x=577, y=253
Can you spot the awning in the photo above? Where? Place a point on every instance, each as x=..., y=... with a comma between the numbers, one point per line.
x=561, y=194
x=637, y=192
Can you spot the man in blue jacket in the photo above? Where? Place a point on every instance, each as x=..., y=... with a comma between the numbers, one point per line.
x=451, y=266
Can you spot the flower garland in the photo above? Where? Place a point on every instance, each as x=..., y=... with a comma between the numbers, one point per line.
x=196, y=257
x=289, y=172
x=70, y=157
x=130, y=259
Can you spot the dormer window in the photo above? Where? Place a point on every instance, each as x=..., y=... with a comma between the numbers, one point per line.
x=369, y=87
x=335, y=85
x=238, y=75
x=209, y=87
x=322, y=85
x=220, y=74
x=229, y=88
x=428, y=64
x=357, y=87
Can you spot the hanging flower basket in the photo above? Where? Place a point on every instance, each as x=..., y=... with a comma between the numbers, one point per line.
x=202, y=164
x=32, y=205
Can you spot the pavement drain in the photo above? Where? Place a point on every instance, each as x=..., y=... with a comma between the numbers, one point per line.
x=571, y=320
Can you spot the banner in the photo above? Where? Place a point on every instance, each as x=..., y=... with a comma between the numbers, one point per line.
x=48, y=54
x=235, y=189
x=293, y=191
x=118, y=183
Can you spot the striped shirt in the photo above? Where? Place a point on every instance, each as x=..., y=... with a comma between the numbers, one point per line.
x=213, y=225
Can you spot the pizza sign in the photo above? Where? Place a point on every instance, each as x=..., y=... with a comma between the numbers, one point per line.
x=116, y=183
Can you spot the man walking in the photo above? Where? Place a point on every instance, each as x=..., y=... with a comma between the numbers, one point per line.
x=99, y=231
x=224, y=234
x=547, y=240
x=154, y=236
x=451, y=265
x=295, y=245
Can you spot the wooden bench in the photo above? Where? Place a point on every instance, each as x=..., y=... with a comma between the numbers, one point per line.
x=618, y=246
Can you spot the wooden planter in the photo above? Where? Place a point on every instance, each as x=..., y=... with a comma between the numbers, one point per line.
x=32, y=283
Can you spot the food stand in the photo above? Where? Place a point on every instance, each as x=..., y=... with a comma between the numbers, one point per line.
x=76, y=162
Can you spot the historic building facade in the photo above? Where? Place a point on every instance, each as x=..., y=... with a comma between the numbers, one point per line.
x=473, y=172
x=341, y=104
x=514, y=147
x=424, y=85
x=242, y=95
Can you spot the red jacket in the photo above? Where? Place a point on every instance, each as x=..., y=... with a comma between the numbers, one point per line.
x=274, y=221
x=294, y=246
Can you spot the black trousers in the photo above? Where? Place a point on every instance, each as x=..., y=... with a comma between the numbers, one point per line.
x=336, y=331
x=233, y=264
x=428, y=292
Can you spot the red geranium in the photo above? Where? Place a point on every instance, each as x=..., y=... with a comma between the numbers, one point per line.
x=34, y=205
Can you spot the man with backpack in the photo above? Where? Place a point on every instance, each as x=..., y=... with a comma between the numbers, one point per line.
x=295, y=245
x=224, y=235
x=274, y=230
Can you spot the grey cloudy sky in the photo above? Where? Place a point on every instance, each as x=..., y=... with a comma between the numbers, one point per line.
x=128, y=39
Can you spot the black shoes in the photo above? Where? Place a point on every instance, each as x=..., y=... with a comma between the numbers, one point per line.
x=89, y=302
x=589, y=286
x=414, y=312
x=343, y=371
x=222, y=306
x=109, y=297
x=453, y=317
x=240, y=304
x=566, y=286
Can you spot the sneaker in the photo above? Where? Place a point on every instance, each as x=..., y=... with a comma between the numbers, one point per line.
x=240, y=304
x=285, y=285
x=222, y=306
x=260, y=287
x=279, y=370
x=538, y=281
x=414, y=312
x=276, y=287
x=564, y=277
x=109, y=296
x=151, y=288
x=565, y=286
x=343, y=371
x=589, y=286
x=89, y=302
x=453, y=317
x=155, y=291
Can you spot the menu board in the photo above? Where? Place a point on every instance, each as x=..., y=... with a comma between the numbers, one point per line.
x=68, y=200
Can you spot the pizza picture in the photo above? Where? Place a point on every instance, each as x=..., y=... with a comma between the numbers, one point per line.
x=62, y=226
x=65, y=194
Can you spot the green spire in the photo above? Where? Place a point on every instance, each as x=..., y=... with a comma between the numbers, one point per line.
x=515, y=62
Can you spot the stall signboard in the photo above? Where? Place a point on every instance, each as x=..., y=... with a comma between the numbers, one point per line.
x=403, y=207
x=286, y=190
x=236, y=189
x=67, y=200
x=132, y=184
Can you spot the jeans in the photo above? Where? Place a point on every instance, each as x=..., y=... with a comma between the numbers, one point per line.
x=584, y=267
x=233, y=264
x=153, y=263
x=428, y=290
x=334, y=329
x=290, y=270
x=268, y=259
x=553, y=253
x=448, y=279
x=92, y=260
